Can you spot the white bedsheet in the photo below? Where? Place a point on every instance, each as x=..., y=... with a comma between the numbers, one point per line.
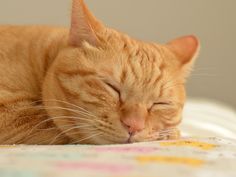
x=204, y=118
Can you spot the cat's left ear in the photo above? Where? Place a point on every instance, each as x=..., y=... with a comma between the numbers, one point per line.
x=186, y=50
x=84, y=25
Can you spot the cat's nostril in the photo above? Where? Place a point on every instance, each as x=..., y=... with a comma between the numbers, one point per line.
x=129, y=129
x=133, y=125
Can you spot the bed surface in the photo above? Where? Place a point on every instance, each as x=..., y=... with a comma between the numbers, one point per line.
x=195, y=157
x=184, y=158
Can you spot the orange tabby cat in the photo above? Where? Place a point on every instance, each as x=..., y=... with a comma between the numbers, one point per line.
x=89, y=84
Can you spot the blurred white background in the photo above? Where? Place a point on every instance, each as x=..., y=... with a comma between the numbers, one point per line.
x=213, y=21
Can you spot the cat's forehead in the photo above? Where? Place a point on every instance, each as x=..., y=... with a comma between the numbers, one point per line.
x=121, y=44
x=138, y=68
x=144, y=60
x=133, y=61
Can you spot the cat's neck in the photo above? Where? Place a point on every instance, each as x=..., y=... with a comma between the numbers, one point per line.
x=48, y=43
x=54, y=40
x=34, y=46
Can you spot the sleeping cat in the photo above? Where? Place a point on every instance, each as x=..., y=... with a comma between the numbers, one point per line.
x=90, y=84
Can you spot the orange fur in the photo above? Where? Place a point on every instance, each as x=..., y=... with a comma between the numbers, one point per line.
x=89, y=84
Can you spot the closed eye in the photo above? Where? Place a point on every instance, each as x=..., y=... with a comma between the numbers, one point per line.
x=113, y=88
x=162, y=104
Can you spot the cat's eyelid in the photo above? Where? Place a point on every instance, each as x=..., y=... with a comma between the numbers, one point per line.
x=114, y=87
x=112, y=84
x=162, y=103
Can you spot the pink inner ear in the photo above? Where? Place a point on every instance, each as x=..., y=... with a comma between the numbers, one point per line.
x=185, y=48
x=82, y=23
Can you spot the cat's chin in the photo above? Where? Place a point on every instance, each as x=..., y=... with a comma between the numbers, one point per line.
x=104, y=141
x=101, y=141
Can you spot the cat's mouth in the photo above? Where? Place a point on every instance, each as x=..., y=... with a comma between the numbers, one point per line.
x=166, y=134
x=129, y=140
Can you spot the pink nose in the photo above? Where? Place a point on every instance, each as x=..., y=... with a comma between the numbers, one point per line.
x=134, y=124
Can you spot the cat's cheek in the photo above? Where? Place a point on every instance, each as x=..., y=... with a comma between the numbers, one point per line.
x=175, y=135
x=155, y=122
x=100, y=141
x=142, y=136
x=167, y=117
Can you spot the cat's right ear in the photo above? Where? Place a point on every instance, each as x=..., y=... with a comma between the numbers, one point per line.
x=186, y=50
x=83, y=25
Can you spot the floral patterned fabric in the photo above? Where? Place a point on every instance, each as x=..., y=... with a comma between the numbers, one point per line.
x=187, y=157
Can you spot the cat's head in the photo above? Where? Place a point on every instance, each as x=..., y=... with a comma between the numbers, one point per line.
x=108, y=88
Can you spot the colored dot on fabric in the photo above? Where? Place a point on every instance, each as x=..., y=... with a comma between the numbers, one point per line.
x=171, y=160
x=196, y=144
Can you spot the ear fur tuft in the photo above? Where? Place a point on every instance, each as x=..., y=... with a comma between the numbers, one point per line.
x=83, y=25
x=186, y=50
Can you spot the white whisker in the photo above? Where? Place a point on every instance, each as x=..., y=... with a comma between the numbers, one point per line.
x=167, y=130
x=58, y=118
x=60, y=101
x=68, y=104
x=58, y=108
x=72, y=128
x=92, y=136
x=53, y=128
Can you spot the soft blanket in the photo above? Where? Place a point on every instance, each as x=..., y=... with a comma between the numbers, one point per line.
x=187, y=157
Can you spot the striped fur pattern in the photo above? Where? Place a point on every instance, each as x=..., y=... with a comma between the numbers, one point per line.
x=77, y=86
